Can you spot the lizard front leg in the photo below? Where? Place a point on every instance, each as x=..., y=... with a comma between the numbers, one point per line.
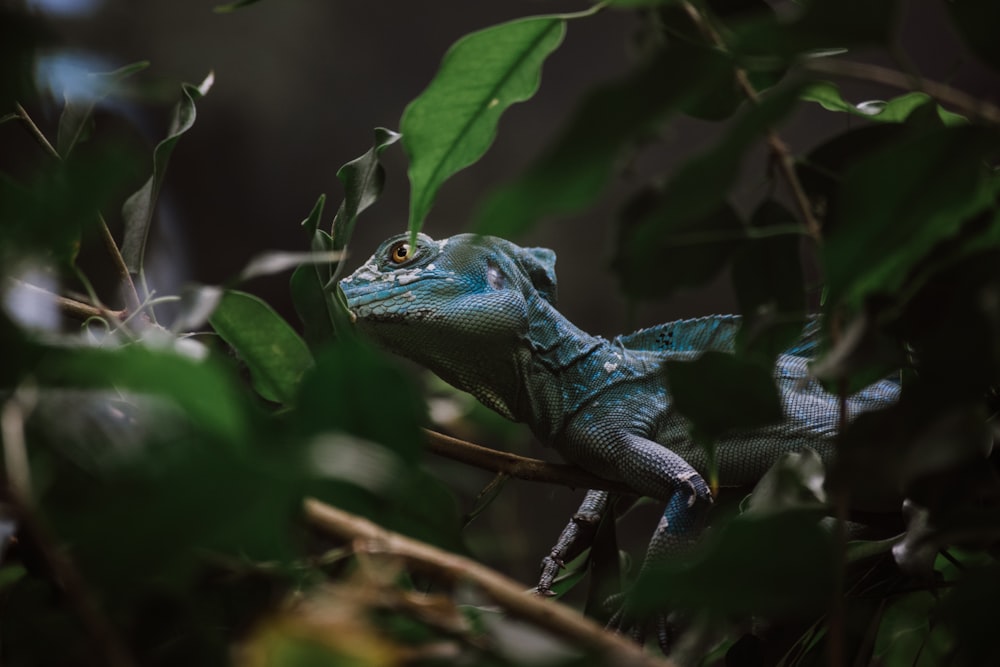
x=575, y=537
x=652, y=470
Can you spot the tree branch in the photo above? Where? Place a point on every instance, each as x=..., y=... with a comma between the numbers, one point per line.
x=521, y=467
x=72, y=307
x=510, y=595
x=779, y=149
x=946, y=95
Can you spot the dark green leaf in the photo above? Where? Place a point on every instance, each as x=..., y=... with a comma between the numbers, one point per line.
x=452, y=123
x=770, y=564
x=363, y=179
x=274, y=353
x=770, y=287
x=233, y=6
x=901, y=192
x=575, y=169
x=139, y=208
x=719, y=392
x=820, y=25
x=202, y=389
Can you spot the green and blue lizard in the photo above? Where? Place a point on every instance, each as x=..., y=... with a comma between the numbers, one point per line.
x=480, y=312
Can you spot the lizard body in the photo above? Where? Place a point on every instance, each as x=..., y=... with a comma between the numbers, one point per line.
x=480, y=312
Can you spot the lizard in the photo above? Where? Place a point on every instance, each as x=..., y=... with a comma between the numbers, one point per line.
x=480, y=312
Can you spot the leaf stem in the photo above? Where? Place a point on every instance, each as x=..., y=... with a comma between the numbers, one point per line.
x=521, y=467
x=779, y=149
x=73, y=307
x=130, y=294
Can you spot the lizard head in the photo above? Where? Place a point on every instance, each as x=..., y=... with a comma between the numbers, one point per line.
x=453, y=305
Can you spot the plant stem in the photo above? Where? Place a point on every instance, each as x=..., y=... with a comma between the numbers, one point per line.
x=73, y=307
x=369, y=538
x=944, y=94
x=521, y=467
x=779, y=149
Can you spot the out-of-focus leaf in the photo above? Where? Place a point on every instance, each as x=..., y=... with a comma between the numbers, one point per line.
x=689, y=218
x=573, y=171
x=820, y=25
x=363, y=179
x=202, y=389
x=49, y=214
x=77, y=114
x=139, y=208
x=353, y=390
x=767, y=276
x=685, y=251
x=771, y=564
x=977, y=21
x=277, y=261
x=901, y=192
x=274, y=353
x=896, y=110
x=719, y=392
x=452, y=123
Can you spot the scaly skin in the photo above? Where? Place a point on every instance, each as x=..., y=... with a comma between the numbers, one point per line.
x=480, y=312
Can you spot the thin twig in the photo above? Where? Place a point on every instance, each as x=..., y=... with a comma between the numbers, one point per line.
x=521, y=467
x=783, y=156
x=16, y=492
x=562, y=621
x=72, y=307
x=944, y=94
x=130, y=294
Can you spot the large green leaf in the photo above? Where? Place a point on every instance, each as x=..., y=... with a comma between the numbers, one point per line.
x=898, y=203
x=719, y=392
x=139, y=208
x=573, y=172
x=274, y=353
x=452, y=123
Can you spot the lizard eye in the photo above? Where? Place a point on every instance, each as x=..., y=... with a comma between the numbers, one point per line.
x=400, y=252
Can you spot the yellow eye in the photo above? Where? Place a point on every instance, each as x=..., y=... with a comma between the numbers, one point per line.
x=400, y=252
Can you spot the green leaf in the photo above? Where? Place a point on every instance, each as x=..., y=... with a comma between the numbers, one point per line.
x=363, y=179
x=573, y=172
x=755, y=564
x=139, y=207
x=897, y=204
x=719, y=392
x=274, y=353
x=820, y=25
x=896, y=110
x=452, y=123
x=76, y=115
x=203, y=389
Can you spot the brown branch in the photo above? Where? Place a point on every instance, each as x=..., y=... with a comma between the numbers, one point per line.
x=72, y=307
x=16, y=492
x=889, y=77
x=779, y=149
x=521, y=467
x=555, y=617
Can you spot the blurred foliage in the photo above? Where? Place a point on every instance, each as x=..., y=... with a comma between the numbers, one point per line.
x=154, y=471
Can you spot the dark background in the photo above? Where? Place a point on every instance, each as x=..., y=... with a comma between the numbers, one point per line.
x=299, y=87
